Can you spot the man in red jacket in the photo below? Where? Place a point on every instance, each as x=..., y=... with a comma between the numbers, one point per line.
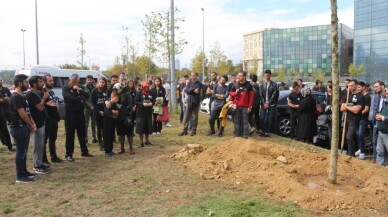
x=242, y=96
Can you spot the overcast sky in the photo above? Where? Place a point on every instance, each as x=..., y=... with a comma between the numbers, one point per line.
x=60, y=23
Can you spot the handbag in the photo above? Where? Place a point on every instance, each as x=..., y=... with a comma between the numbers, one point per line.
x=164, y=117
x=232, y=109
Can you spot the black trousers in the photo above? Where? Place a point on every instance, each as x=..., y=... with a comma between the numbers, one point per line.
x=4, y=133
x=351, y=138
x=75, y=121
x=213, y=117
x=109, y=134
x=254, y=117
x=156, y=125
x=293, y=123
x=51, y=131
x=100, y=127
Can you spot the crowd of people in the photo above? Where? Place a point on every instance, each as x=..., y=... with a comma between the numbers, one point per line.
x=122, y=107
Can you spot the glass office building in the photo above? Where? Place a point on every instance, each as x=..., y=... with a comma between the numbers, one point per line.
x=371, y=38
x=306, y=49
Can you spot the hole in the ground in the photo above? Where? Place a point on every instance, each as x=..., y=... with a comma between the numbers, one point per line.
x=344, y=184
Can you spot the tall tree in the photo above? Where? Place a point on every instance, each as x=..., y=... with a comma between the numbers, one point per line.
x=151, y=27
x=218, y=60
x=196, y=62
x=145, y=66
x=130, y=49
x=336, y=91
x=81, y=50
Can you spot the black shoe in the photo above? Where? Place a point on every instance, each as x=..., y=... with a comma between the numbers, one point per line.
x=69, y=158
x=182, y=134
x=11, y=149
x=24, y=180
x=193, y=133
x=86, y=155
x=41, y=170
x=141, y=145
x=94, y=141
x=220, y=134
x=31, y=175
x=56, y=160
x=45, y=166
x=211, y=133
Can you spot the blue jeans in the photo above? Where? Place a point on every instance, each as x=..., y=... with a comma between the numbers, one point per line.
x=266, y=118
x=361, y=135
x=382, y=149
x=21, y=136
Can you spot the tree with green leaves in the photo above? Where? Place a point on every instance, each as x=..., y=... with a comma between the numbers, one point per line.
x=145, y=66
x=282, y=75
x=319, y=75
x=196, y=62
x=218, y=61
x=355, y=71
x=151, y=28
x=81, y=51
x=130, y=49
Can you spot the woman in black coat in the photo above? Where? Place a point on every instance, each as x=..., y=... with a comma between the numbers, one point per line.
x=98, y=97
x=125, y=122
x=144, y=102
x=158, y=91
x=307, y=121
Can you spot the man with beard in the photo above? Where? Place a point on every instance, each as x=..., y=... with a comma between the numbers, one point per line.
x=5, y=115
x=21, y=125
x=219, y=94
x=89, y=86
x=74, y=97
x=36, y=101
x=51, y=128
x=353, y=107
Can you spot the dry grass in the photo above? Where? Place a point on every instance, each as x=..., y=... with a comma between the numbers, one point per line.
x=145, y=184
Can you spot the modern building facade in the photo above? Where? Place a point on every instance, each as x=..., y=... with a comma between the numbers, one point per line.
x=305, y=50
x=371, y=38
x=253, y=51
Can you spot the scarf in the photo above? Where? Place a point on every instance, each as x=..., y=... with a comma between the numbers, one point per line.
x=143, y=85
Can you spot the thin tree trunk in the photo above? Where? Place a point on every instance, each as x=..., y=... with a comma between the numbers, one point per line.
x=335, y=97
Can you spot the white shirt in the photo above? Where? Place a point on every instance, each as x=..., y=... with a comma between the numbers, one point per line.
x=167, y=87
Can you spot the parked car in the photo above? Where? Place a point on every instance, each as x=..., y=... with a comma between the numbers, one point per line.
x=282, y=124
x=205, y=106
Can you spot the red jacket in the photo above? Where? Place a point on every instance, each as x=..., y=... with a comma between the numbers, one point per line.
x=245, y=96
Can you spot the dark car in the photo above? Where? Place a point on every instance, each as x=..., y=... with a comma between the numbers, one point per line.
x=282, y=123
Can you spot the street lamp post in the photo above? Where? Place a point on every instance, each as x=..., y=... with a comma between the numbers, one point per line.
x=203, y=45
x=24, y=51
x=36, y=26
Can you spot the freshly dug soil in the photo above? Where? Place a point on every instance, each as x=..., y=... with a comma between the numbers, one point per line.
x=295, y=175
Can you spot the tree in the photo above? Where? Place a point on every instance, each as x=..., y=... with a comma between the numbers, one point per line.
x=319, y=75
x=282, y=75
x=130, y=49
x=295, y=74
x=81, y=50
x=151, y=26
x=356, y=71
x=218, y=60
x=196, y=62
x=336, y=91
x=72, y=66
x=145, y=66
x=115, y=69
x=95, y=67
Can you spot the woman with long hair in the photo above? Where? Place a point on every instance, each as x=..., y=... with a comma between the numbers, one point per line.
x=144, y=102
x=159, y=93
x=98, y=97
x=127, y=112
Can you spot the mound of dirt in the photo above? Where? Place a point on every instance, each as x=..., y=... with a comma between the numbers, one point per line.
x=293, y=175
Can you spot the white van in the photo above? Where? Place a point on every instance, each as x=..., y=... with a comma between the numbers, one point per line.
x=61, y=76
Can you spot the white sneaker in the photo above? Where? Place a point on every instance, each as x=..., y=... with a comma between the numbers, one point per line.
x=361, y=156
x=158, y=133
x=153, y=133
x=358, y=152
x=168, y=125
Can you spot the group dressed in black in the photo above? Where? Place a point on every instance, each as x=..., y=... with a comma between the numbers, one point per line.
x=119, y=106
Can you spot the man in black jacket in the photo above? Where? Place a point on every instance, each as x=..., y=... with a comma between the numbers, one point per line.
x=269, y=99
x=193, y=91
x=74, y=97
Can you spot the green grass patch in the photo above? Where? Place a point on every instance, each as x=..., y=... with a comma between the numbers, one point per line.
x=236, y=206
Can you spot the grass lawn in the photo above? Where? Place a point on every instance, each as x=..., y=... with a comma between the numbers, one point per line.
x=148, y=183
